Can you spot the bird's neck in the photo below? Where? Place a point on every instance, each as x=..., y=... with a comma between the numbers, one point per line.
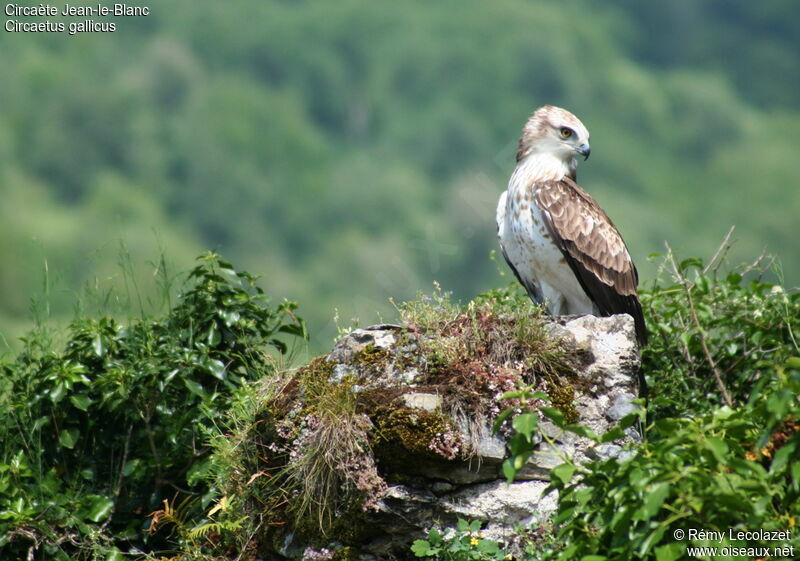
x=542, y=167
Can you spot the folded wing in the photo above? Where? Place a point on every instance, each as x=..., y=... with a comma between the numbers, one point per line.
x=593, y=248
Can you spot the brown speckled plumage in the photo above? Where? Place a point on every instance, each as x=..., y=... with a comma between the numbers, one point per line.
x=560, y=244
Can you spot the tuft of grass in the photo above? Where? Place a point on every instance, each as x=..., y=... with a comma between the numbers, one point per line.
x=332, y=466
x=298, y=457
x=333, y=469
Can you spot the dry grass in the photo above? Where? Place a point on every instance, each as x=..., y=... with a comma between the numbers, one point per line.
x=331, y=472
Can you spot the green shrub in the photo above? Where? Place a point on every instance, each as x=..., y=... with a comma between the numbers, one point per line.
x=704, y=322
x=97, y=435
x=721, y=471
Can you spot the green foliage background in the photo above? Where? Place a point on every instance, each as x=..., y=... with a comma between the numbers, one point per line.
x=354, y=151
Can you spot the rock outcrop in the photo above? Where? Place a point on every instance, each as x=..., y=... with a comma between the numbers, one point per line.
x=413, y=444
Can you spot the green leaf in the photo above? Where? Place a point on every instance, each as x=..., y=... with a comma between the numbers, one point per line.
x=194, y=387
x=131, y=466
x=213, y=338
x=653, y=539
x=489, y=547
x=40, y=422
x=169, y=377
x=734, y=278
x=81, y=401
x=519, y=444
x=526, y=423
x=782, y=457
x=670, y=552
x=520, y=459
x=68, y=437
x=723, y=413
x=655, y=498
x=594, y=558
x=279, y=345
x=630, y=419
x=746, y=468
x=584, y=431
x=793, y=363
x=614, y=434
x=718, y=447
x=691, y=262
x=553, y=414
x=114, y=555
x=216, y=368
x=509, y=471
x=796, y=476
x=564, y=514
x=199, y=471
x=512, y=394
x=298, y=330
x=421, y=548
x=230, y=317
x=435, y=537
x=498, y=422
x=777, y=404
x=563, y=472
x=99, y=508
x=97, y=345
x=58, y=392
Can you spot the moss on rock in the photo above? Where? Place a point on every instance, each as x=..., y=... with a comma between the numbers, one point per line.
x=372, y=360
x=562, y=395
x=417, y=433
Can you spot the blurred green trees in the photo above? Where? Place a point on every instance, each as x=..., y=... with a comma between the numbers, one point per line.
x=355, y=151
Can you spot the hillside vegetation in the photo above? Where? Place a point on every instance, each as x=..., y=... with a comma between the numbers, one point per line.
x=127, y=440
x=356, y=151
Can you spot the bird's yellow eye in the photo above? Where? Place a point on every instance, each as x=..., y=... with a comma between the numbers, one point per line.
x=566, y=132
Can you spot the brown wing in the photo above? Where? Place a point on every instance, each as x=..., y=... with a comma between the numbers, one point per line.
x=593, y=248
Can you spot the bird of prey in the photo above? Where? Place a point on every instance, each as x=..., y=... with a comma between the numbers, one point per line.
x=561, y=245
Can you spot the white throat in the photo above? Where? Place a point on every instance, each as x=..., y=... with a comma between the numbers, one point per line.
x=543, y=167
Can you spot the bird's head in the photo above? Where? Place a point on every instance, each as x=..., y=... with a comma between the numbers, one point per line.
x=555, y=132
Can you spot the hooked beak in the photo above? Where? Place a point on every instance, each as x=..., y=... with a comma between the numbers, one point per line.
x=584, y=150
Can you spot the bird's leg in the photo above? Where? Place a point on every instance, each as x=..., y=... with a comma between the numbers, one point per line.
x=557, y=306
x=553, y=300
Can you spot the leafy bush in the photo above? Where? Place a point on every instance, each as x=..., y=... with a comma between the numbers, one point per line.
x=711, y=328
x=724, y=470
x=98, y=435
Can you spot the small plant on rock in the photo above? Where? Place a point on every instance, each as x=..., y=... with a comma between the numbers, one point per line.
x=462, y=543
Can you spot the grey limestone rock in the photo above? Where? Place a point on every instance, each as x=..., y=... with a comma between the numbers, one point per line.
x=473, y=487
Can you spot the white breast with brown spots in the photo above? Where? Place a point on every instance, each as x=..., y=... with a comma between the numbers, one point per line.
x=529, y=247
